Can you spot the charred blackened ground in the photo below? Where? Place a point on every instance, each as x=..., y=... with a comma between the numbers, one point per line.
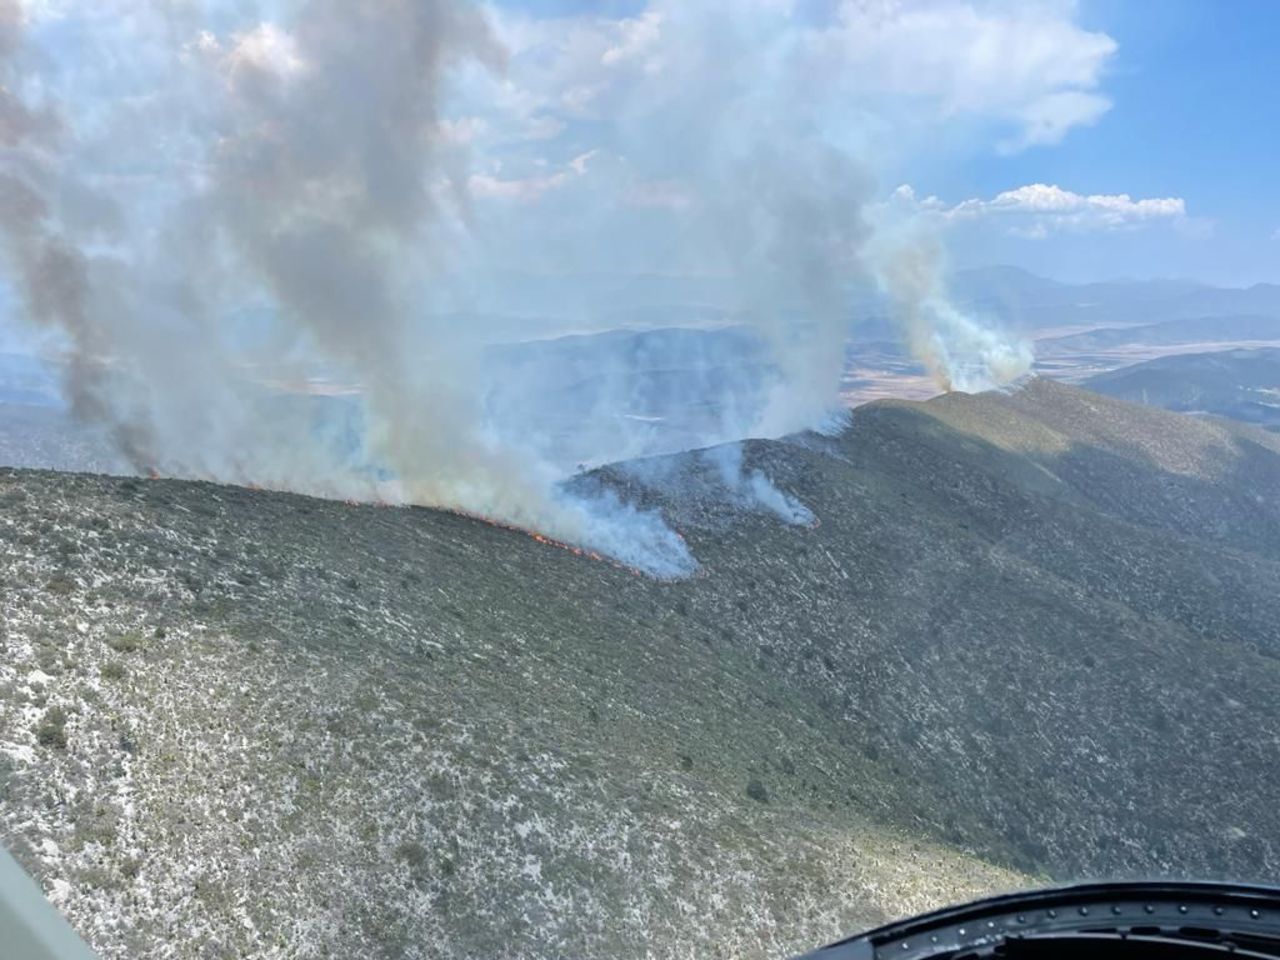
x=1028, y=636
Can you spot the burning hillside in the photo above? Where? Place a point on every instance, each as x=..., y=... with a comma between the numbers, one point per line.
x=233, y=719
x=318, y=212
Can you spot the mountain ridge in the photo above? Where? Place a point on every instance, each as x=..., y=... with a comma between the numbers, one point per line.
x=1029, y=637
x=1242, y=384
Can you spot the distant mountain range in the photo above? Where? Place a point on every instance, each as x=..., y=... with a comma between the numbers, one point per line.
x=1030, y=636
x=1191, y=330
x=1031, y=303
x=1240, y=384
x=656, y=364
x=1012, y=295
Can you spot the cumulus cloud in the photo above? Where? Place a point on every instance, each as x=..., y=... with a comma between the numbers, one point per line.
x=636, y=37
x=1047, y=119
x=579, y=163
x=264, y=48
x=1027, y=68
x=1039, y=209
x=462, y=130
x=522, y=189
x=528, y=189
x=1028, y=65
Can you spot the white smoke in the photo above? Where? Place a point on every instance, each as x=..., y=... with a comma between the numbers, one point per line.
x=316, y=185
x=209, y=200
x=109, y=245
x=754, y=489
x=960, y=351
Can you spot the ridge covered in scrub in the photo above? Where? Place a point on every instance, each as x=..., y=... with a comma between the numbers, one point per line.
x=1028, y=637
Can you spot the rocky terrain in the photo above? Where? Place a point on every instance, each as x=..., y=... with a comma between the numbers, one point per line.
x=1030, y=636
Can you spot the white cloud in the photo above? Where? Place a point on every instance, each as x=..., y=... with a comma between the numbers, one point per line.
x=544, y=128
x=1027, y=64
x=1039, y=209
x=463, y=130
x=265, y=48
x=521, y=189
x=1047, y=119
x=579, y=163
x=1027, y=68
x=636, y=37
x=529, y=189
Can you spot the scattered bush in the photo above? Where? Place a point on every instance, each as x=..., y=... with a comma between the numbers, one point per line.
x=113, y=670
x=125, y=643
x=756, y=790
x=52, y=731
x=59, y=585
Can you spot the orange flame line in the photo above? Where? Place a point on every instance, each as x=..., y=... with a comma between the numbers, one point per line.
x=540, y=538
x=549, y=541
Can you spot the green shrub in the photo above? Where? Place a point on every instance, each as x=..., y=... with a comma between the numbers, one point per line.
x=52, y=731
x=125, y=643
x=113, y=670
x=59, y=586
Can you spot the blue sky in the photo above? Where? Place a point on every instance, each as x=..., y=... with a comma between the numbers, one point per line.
x=1195, y=91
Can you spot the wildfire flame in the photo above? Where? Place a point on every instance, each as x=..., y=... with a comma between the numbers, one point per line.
x=550, y=541
x=576, y=550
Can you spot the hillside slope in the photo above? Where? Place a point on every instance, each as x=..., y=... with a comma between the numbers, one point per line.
x=1241, y=384
x=1031, y=635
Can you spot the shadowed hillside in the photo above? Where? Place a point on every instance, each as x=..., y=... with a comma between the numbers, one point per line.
x=1030, y=636
x=1240, y=384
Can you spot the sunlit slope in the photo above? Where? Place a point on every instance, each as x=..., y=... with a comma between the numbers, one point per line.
x=235, y=721
x=1031, y=635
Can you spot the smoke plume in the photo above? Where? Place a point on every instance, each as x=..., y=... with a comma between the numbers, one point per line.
x=754, y=489
x=53, y=275
x=306, y=245
x=958, y=350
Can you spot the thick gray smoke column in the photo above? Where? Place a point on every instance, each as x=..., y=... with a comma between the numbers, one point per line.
x=303, y=159
x=724, y=107
x=795, y=233
x=54, y=276
x=725, y=121
x=298, y=169
x=133, y=295
x=324, y=178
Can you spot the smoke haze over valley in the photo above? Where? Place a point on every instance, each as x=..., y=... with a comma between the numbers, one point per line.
x=314, y=200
